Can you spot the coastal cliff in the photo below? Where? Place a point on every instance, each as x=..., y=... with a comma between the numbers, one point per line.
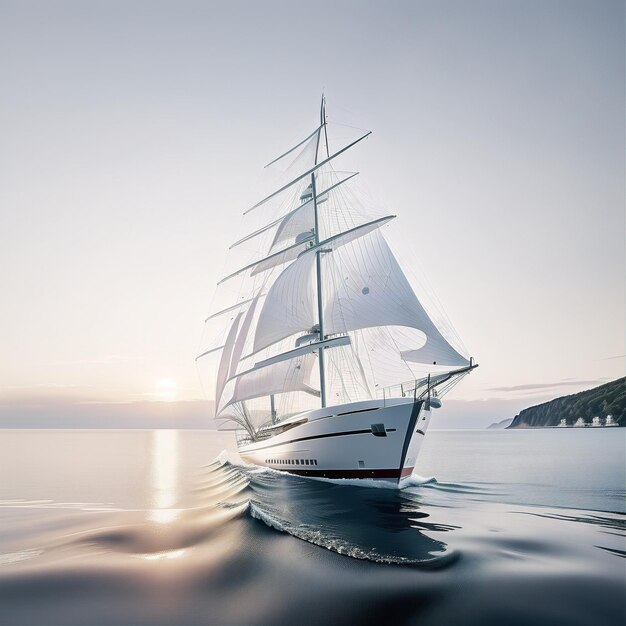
x=608, y=399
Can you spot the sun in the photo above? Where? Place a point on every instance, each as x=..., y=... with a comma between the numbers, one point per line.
x=166, y=389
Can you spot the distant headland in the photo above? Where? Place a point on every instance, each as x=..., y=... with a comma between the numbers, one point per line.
x=505, y=423
x=601, y=406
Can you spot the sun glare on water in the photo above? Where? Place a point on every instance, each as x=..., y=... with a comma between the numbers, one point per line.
x=164, y=476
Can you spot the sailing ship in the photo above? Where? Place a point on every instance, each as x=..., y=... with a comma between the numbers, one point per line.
x=322, y=356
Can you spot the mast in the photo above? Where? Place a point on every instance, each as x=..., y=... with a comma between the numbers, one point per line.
x=318, y=263
x=273, y=409
x=310, y=171
x=323, y=123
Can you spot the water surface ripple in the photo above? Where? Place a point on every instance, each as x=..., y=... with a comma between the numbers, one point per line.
x=164, y=535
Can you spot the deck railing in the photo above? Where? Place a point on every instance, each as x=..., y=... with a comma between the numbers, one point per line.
x=407, y=389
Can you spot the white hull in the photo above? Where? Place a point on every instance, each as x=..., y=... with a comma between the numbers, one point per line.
x=339, y=441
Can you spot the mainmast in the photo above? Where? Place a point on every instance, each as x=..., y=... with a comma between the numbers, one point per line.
x=318, y=258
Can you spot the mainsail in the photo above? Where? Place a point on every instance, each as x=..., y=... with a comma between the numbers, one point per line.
x=320, y=310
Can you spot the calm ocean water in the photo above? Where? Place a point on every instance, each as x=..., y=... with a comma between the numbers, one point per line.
x=165, y=527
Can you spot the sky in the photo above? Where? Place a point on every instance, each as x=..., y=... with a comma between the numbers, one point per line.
x=134, y=135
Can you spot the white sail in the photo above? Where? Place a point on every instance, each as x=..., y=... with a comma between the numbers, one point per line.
x=302, y=246
x=290, y=303
x=377, y=351
x=228, y=309
x=311, y=140
x=437, y=351
x=308, y=173
x=241, y=339
x=280, y=373
x=334, y=342
x=365, y=288
x=225, y=359
x=300, y=219
x=270, y=261
x=282, y=377
x=298, y=223
x=372, y=291
x=341, y=239
x=290, y=307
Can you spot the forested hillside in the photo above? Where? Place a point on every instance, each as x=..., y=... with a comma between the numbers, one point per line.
x=608, y=399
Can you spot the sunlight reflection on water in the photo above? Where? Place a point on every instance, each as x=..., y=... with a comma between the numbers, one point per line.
x=164, y=476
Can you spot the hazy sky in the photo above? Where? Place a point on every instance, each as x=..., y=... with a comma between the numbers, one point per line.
x=133, y=134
